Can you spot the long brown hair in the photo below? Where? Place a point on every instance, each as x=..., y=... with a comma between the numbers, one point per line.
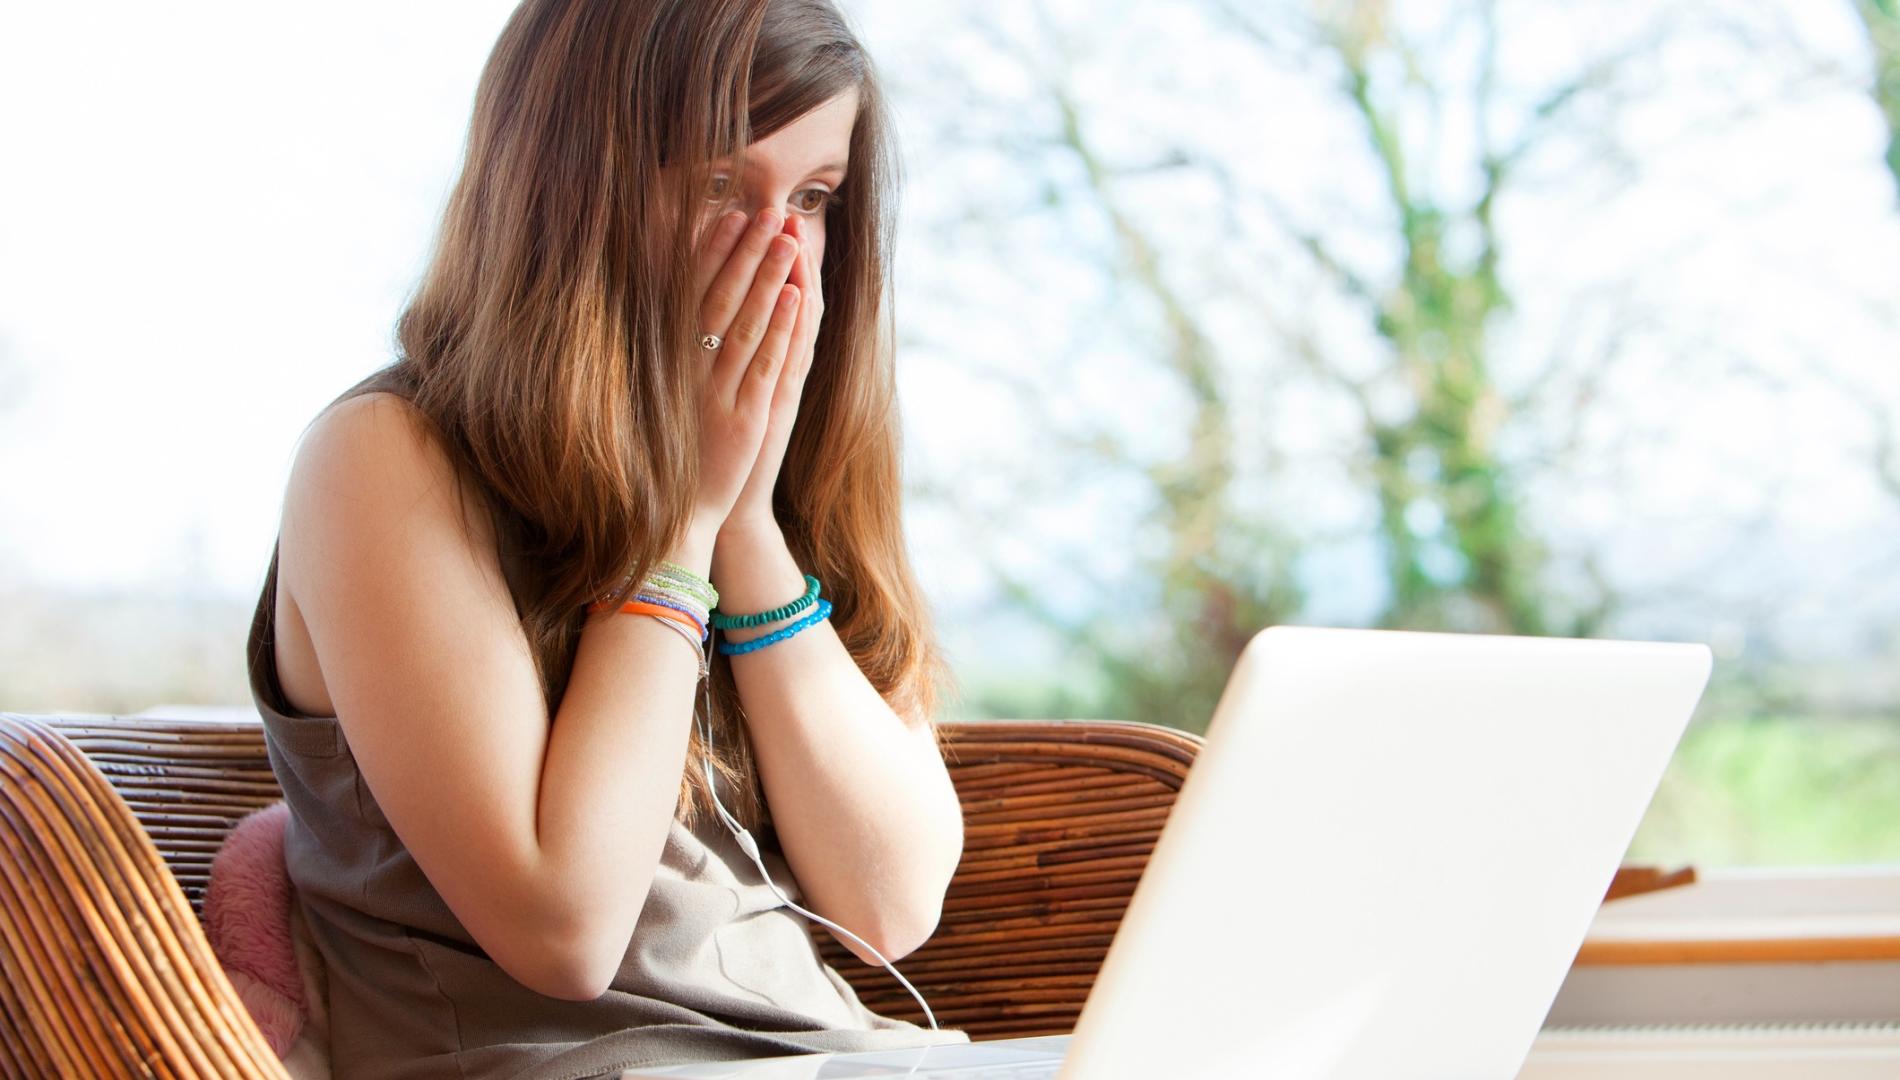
x=551, y=338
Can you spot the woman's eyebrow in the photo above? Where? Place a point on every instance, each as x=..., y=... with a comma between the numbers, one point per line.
x=829, y=166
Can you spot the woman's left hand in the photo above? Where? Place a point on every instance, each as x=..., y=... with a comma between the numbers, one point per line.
x=754, y=505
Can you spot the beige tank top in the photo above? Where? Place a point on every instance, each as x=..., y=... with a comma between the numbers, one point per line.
x=718, y=968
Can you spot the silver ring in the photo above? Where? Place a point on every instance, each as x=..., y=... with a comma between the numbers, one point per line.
x=709, y=341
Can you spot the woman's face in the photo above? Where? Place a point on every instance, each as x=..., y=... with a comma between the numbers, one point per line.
x=795, y=170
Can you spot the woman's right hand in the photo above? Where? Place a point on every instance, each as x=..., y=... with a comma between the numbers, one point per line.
x=742, y=270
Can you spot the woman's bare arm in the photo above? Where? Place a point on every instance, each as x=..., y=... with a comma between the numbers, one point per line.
x=863, y=804
x=541, y=837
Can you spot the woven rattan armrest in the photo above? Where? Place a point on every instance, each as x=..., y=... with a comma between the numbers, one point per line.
x=105, y=970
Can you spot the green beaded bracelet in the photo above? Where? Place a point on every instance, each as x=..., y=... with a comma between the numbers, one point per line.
x=740, y=622
x=679, y=577
x=692, y=583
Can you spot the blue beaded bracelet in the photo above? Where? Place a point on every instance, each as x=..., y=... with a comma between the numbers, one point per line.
x=729, y=649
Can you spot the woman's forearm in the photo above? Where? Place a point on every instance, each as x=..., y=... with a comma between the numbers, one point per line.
x=862, y=803
x=611, y=777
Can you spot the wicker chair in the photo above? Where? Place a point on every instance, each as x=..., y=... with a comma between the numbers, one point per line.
x=110, y=824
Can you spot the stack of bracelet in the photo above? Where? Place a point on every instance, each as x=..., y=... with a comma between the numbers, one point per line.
x=685, y=601
x=677, y=597
x=740, y=622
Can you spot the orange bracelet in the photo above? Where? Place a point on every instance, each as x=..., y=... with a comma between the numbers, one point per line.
x=639, y=607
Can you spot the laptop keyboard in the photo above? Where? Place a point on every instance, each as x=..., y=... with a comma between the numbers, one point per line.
x=1022, y=1070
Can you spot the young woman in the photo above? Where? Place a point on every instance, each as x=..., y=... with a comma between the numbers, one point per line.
x=644, y=386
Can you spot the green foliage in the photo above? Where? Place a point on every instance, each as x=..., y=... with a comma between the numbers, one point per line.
x=1778, y=791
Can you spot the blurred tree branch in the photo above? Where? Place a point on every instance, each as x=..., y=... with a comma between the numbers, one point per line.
x=1882, y=20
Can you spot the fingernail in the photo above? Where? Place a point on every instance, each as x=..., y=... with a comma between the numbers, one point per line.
x=732, y=221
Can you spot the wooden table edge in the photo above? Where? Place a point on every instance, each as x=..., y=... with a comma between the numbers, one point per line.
x=1610, y=952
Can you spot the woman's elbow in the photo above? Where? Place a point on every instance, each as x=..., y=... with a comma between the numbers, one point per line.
x=571, y=963
x=895, y=940
x=578, y=982
x=565, y=973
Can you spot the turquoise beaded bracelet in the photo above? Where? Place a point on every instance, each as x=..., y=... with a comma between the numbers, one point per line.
x=729, y=649
x=741, y=622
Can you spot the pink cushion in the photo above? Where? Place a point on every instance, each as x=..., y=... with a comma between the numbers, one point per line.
x=247, y=918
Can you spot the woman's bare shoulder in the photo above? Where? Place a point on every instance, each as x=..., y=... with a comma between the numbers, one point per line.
x=378, y=421
x=372, y=463
x=376, y=449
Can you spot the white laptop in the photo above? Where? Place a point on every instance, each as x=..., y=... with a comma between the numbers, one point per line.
x=1381, y=865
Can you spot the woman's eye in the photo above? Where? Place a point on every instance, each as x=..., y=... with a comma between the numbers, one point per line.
x=808, y=201
x=815, y=200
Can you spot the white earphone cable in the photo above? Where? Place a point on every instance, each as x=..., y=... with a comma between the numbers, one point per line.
x=751, y=848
